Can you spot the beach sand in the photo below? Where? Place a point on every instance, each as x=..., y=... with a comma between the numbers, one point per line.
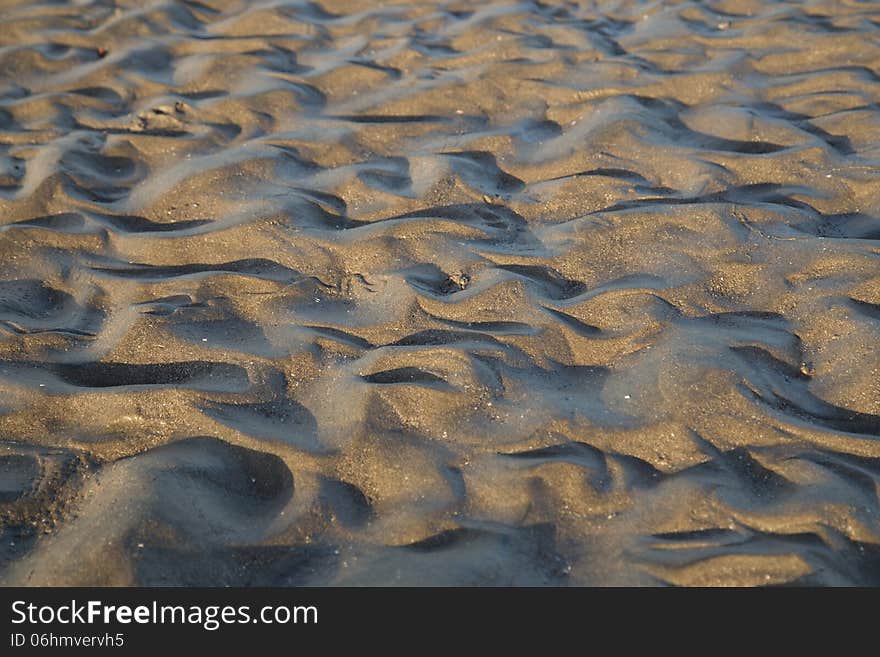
x=439, y=293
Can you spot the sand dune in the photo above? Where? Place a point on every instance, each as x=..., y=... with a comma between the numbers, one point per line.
x=439, y=293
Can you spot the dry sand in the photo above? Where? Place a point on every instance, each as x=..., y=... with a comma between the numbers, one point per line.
x=473, y=293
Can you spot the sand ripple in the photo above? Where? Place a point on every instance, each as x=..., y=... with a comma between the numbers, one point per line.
x=439, y=293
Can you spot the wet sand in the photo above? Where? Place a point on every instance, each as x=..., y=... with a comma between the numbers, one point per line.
x=493, y=293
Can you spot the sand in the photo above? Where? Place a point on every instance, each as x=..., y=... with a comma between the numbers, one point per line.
x=490, y=293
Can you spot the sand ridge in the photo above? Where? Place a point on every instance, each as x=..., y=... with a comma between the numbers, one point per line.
x=497, y=293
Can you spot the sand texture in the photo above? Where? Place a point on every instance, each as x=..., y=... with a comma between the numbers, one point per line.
x=439, y=293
